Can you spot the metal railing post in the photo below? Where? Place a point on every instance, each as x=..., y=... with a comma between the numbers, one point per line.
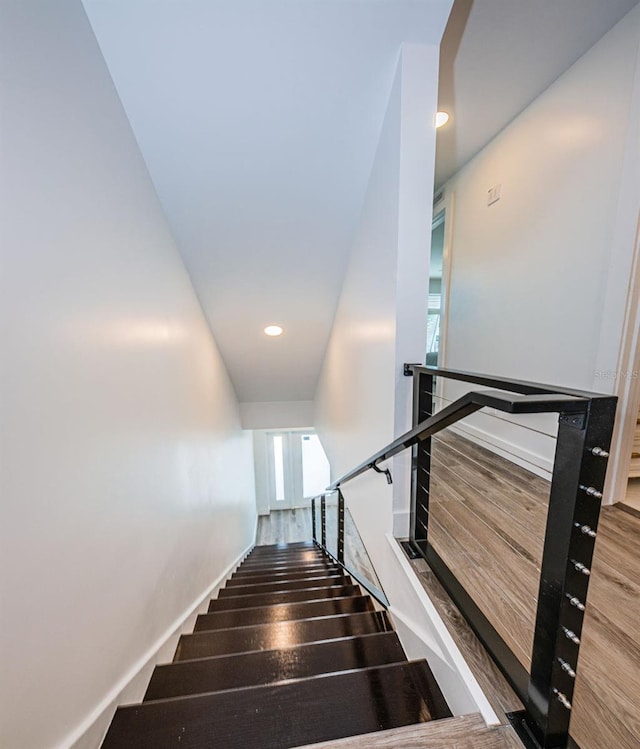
x=323, y=520
x=340, y=527
x=421, y=462
x=572, y=520
x=313, y=519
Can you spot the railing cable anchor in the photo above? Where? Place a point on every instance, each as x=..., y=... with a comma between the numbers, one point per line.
x=562, y=699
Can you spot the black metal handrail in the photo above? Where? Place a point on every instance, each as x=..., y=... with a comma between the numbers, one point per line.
x=585, y=426
x=524, y=387
x=469, y=403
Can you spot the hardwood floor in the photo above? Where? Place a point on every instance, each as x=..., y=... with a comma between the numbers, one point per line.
x=487, y=519
x=468, y=732
x=483, y=508
x=284, y=527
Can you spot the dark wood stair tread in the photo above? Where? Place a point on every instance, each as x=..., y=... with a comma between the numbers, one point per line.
x=287, y=596
x=269, y=666
x=283, y=612
x=284, y=715
x=279, y=634
x=271, y=587
x=270, y=577
x=286, y=554
x=271, y=561
x=282, y=569
x=285, y=568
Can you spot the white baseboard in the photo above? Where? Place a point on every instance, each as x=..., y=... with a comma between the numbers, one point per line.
x=132, y=686
x=401, y=522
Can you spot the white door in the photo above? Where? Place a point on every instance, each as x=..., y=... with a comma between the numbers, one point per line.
x=297, y=469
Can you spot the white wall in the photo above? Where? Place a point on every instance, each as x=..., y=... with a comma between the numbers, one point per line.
x=363, y=398
x=125, y=478
x=530, y=273
x=276, y=414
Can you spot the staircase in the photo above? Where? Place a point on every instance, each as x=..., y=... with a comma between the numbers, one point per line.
x=290, y=653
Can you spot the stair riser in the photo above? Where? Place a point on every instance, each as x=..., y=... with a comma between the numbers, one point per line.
x=260, y=551
x=288, y=559
x=273, y=599
x=315, y=582
x=283, y=568
x=271, y=666
x=282, y=613
x=283, y=547
x=274, y=636
x=283, y=577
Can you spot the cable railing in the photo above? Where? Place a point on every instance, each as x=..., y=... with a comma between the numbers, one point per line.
x=334, y=544
x=584, y=429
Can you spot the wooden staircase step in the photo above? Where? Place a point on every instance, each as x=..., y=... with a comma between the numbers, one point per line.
x=307, y=582
x=306, y=557
x=284, y=715
x=265, y=552
x=282, y=613
x=283, y=547
x=288, y=596
x=276, y=577
x=284, y=569
x=279, y=634
x=270, y=666
x=268, y=550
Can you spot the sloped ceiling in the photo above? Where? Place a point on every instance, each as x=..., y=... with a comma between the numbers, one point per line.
x=259, y=119
x=258, y=122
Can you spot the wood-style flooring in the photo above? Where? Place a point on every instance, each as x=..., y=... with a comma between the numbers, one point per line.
x=466, y=732
x=284, y=527
x=487, y=520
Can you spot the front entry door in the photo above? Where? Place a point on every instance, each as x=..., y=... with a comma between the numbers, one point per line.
x=298, y=469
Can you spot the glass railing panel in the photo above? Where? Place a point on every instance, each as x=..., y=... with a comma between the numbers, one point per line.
x=356, y=558
x=331, y=523
x=317, y=525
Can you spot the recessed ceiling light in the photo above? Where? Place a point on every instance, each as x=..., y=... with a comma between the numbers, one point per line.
x=273, y=330
x=441, y=119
